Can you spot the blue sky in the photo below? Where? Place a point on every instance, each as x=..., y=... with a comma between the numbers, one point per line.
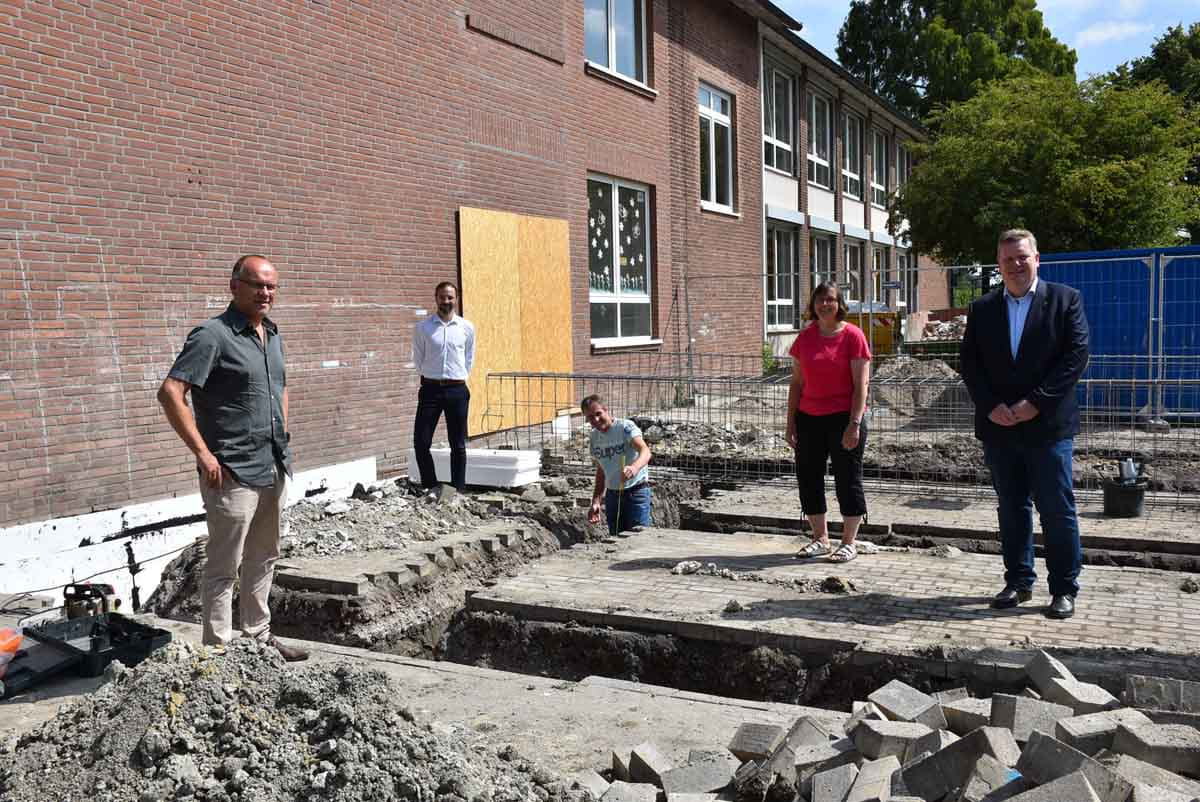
x=1104, y=33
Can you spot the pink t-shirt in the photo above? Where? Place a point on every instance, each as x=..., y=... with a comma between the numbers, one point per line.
x=825, y=363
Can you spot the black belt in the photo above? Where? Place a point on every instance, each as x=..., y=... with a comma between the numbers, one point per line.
x=441, y=382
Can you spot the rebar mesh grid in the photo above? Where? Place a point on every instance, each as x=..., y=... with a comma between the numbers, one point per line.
x=730, y=425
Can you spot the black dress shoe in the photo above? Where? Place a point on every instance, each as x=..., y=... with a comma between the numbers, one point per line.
x=1061, y=607
x=1011, y=597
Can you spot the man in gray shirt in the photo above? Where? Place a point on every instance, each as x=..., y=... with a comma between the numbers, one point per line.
x=233, y=366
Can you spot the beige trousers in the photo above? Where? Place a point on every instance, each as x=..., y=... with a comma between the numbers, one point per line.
x=243, y=533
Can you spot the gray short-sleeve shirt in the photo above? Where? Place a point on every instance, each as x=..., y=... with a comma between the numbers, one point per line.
x=237, y=394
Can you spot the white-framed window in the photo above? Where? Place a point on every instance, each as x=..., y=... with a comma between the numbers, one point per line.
x=879, y=273
x=716, y=149
x=614, y=36
x=903, y=165
x=777, y=119
x=820, y=139
x=852, y=268
x=909, y=277
x=879, y=168
x=820, y=259
x=852, y=155
x=618, y=260
x=781, y=277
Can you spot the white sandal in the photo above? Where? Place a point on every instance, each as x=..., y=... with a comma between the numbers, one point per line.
x=844, y=553
x=817, y=548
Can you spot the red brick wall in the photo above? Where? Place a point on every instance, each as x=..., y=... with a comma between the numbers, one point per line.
x=145, y=145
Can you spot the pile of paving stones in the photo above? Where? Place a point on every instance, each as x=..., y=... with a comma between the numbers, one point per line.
x=1059, y=740
x=952, y=329
x=190, y=723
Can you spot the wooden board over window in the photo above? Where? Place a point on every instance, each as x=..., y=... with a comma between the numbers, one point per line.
x=516, y=289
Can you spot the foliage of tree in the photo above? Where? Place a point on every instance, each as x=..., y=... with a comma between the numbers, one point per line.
x=1085, y=166
x=1174, y=61
x=925, y=54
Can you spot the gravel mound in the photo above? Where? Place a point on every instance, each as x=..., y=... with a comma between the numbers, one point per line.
x=194, y=723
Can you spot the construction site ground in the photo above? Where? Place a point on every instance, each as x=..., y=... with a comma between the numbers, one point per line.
x=914, y=603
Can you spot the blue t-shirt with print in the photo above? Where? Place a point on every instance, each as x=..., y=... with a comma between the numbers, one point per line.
x=609, y=447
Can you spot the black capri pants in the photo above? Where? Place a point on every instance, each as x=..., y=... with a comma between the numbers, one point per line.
x=818, y=440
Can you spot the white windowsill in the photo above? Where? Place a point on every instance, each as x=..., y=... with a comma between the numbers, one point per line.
x=717, y=208
x=618, y=343
x=820, y=186
x=777, y=171
x=600, y=71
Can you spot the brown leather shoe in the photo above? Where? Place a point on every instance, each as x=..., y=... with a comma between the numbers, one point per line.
x=289, y=653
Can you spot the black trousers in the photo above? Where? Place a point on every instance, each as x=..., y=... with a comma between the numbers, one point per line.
x=818, y=441
x=432, y=400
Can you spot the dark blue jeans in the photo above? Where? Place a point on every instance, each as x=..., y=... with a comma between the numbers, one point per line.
x=432, y=400
x=634, y=507
x=1025, y=475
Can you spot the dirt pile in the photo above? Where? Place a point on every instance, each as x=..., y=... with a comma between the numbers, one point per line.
x=915, y=387
x=190, y=723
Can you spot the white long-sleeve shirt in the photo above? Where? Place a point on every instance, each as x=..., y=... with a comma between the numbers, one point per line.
x=444, y=349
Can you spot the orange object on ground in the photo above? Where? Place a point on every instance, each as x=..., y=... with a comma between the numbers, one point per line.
x=10, y=642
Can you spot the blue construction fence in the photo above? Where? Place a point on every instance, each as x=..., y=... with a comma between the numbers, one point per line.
x=1143, y=310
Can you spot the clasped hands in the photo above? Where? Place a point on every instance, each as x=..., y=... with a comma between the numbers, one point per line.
x=1004, y=415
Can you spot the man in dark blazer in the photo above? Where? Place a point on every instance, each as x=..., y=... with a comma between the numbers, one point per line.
x=1024, y=349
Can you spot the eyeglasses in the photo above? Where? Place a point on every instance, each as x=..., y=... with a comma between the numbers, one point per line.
x=258, y=285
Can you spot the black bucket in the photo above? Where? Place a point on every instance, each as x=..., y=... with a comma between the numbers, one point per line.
x=1124, y=501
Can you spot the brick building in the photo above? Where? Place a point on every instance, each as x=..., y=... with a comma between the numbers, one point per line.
x=145, y=144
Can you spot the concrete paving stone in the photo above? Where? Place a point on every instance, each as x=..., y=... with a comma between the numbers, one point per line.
x=833, y=785
x=1161, y=693
x=1043, y=667
x=1023, y=716
x=592, y=781
x=865, y=711
x=424, y=569
x=900, y=701
x=621, y=791
x=403, y=577
x=951, y=695
x=874, y=780
x=702, y=777
x=620, y=765
x=1146, y=793
x=1046, y=758
x=987, y=776
x=1139, y=772
x=876, y=739
x=933, y=741
x=936, y=775
x=647, y=764
x=809, y=730
x=697, y=755
x=1095, y=731
x=1082, y=697
x=813, y=758
x=755, y=741
x=966, y=715
x=1174, y=747
x=1072, y=787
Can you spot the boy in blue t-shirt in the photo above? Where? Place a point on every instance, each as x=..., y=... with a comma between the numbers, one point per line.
x=621, y=457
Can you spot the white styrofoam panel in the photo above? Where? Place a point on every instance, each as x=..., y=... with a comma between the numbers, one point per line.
x=485, y=467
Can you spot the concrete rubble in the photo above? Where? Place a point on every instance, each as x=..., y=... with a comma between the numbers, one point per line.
x=897, y=748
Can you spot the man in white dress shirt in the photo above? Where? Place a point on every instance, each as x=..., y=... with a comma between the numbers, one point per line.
x=443, y=352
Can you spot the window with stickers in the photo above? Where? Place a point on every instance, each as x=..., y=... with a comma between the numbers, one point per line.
x=618, y=260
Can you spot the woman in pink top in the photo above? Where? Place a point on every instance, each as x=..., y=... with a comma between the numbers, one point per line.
x=826, y=402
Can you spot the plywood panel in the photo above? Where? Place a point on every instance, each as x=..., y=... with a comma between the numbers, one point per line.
x=544, y=256
x=491, y=298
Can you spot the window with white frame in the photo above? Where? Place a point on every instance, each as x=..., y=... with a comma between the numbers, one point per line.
x=879, y=168
x=614, y=36
x=909, y=278
x=903, y=165
x=852, y=268
x=820, y=259
x=879, y=272
x=820, y=139
x=618, y=259
x=781, y=277
x=716, y=149
x=852, y=155
x=777, y=118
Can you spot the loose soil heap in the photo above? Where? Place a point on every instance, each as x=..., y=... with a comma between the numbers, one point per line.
x=242, y=727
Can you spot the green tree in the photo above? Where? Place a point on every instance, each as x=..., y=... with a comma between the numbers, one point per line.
x=1085, y=166
x=1174, y=61
x=925, y=54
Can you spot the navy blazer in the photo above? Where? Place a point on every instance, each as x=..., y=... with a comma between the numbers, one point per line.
x=1050, y=359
